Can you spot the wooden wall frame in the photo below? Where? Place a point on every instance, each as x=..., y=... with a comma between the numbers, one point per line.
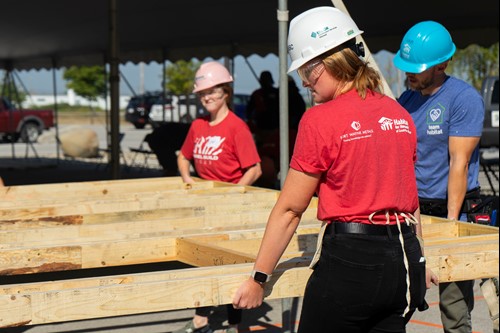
x=213, y=226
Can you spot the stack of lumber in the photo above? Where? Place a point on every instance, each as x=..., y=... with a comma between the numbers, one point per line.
x=50, y=233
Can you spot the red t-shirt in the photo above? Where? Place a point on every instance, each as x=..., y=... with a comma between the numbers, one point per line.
x=221, y=152
x=365, y=151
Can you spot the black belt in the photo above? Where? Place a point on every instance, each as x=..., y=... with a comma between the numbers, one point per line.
x=365, y=229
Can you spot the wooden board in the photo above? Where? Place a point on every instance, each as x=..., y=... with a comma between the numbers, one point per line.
x=214, y=227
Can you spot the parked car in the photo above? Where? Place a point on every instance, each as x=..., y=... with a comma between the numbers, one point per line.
x=27, y=124
x=489, y=91
x=175, y=109
x=161, y=110
x=240, y=102
x=138, y=108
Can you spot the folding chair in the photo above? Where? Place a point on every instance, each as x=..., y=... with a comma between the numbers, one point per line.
x=489, y=164
x=103, y=152
x=141, y=154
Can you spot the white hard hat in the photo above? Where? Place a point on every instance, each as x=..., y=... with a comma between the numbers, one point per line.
x=211, y=74
x=316, y=31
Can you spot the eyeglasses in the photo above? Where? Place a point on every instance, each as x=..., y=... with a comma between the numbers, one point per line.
x=214, y=93
x=311, y=72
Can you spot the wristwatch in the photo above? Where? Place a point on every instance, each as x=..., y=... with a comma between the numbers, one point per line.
x=260, y=277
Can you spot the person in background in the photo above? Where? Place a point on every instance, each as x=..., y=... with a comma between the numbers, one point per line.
x=448, y=114
x=296, y=104
x=263, y=108
x=222, y=148
x=270, y=149
x=356, y=150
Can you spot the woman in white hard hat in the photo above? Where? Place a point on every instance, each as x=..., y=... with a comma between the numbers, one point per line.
x=222, y=148
x=356, y=151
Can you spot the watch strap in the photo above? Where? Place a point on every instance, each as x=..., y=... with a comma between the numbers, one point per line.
x=260, y=277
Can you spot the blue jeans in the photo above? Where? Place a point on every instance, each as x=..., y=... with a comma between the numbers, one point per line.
x=359, y=285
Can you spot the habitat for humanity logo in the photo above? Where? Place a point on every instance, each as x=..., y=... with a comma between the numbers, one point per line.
x=435, y=119
x=435, y=114
x=322, y=33
x=385, y=123
x=406, y=51
x=208, y=148
x=399, y=125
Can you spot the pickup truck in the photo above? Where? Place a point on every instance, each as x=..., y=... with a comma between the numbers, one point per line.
x=21, y=123
x=489, y=91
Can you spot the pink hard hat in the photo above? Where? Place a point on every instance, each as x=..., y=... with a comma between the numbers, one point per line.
x=211, y=74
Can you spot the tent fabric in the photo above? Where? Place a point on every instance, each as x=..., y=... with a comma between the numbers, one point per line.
x=38, y=34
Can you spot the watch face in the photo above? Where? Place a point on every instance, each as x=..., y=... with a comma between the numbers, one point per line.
x=260, y=277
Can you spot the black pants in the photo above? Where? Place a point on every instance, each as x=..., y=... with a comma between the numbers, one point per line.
x=359, y=285
x=439, y=207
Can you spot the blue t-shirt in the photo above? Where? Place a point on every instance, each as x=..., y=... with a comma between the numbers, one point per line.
x=456, y=109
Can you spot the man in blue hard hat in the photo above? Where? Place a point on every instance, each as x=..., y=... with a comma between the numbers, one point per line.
x=448, y=114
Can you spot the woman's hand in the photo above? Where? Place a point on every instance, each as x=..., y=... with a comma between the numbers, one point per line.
x=187, y=180
x=430, y=277
x=249, y=295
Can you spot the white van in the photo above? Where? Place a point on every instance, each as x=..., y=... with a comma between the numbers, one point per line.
x=489, y=91
x=175, y=109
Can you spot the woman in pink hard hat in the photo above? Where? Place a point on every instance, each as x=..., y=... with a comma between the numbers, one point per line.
x=222, y=148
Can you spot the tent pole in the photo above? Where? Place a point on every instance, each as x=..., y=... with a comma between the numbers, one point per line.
x=163, y=75
x=56, y=108
x=251, y=69
x=7, y=91
x=129, y=86
x=282, y=15
x=114, y=82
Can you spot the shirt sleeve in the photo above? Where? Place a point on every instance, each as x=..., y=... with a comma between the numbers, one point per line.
x=310, y=154
x=245, y=147
x=467, y=115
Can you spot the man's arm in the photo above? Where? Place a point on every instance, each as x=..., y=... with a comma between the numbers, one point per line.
x=460, y=150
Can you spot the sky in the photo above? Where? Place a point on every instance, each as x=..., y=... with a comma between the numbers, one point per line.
x=39, y=82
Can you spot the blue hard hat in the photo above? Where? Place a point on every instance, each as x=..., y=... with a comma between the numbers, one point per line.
x=426, y=44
